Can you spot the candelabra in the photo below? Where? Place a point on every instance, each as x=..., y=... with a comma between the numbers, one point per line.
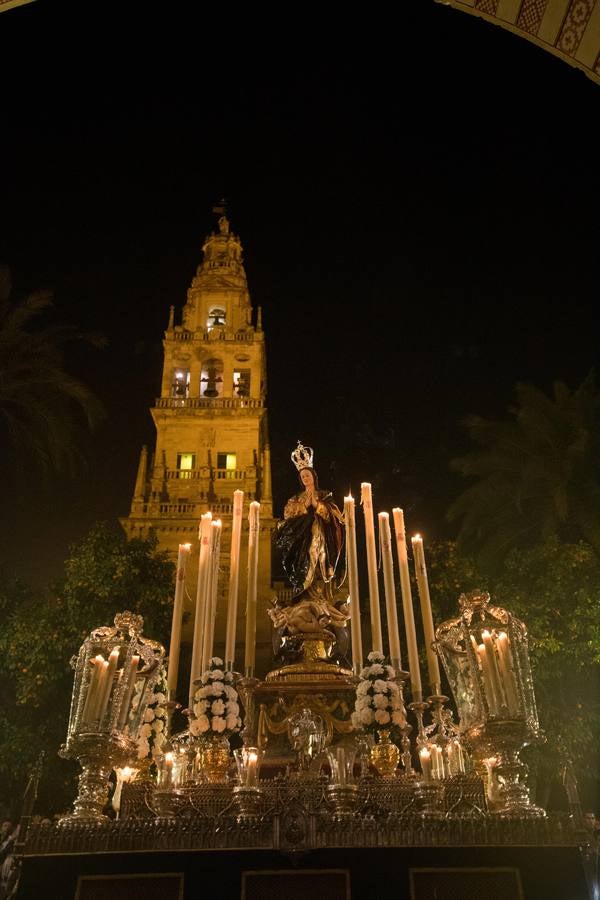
x=115, y=672
x=247, y=795
x=486, y=658
x=342, y=790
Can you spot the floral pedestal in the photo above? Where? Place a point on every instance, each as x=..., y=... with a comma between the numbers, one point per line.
x=378, y=709
x=216, y=716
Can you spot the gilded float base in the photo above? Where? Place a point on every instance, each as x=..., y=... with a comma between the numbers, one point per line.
x=314, y=662
x=309, y=671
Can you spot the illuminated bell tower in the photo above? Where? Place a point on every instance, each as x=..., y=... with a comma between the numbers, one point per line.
x=211, y=432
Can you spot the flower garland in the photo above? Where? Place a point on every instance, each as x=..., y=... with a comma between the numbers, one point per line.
x=216, y=708
x=378, y=702
x=153, y=729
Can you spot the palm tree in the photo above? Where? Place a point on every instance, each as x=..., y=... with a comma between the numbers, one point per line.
x=44, y=411
x=536, y=475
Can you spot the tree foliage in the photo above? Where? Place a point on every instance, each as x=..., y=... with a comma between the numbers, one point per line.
x=535, y=476
x=104, y=574
x=44, y=410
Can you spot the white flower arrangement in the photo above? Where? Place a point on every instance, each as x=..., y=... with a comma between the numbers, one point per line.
x=153, y=729
x=378, y=702
x=216, y=708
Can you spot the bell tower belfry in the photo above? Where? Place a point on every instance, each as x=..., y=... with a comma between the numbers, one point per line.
x=211, y=428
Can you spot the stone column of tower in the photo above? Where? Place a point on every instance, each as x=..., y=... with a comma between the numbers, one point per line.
x=211, y=435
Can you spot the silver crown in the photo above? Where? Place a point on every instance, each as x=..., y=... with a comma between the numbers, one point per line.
x=302, y=457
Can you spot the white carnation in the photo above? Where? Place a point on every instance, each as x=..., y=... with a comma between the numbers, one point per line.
x=382, y=717
x=217, y=675
x=160, y=698
x=363, y=703
x=362, y=688
x=381, y=686
x=158, y=725
x=375, y=656
x=195, y=727
x=366, y=716
x=380, y=701
x=218, y=724
x=215, y=661
x=376, y=669
x=143, y=749
x=228, y=676
x=149, y=715
x=201, y=692
x=398, y=717
x=203, y=724
x=233, y=708
x=230, y=692
x=231, y=722
x=217, y=708
x=216, y=688
x=145, y=731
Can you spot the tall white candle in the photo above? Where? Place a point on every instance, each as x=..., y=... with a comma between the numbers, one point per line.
x=91, y=700
x=234, y=571
x=488, y=686
x=111, y=668
x=352, y=566
x=460, y=757
x=127, y=694
x=507, y=673
x=385, y=539
x=175, y=645
x=253, y=536
x=407, y=606
x=211, y=593
x=433, y=667
x=492, y=662
x=425, y=760
x=252, y=768
x=367, y=503
x=437, y=761
x=203, y=559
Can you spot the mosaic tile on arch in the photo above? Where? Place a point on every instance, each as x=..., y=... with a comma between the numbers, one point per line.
x=487, y=6
x=531, y=14
x=574, y=26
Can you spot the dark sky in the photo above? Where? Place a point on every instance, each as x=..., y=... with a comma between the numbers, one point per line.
x=417, y=203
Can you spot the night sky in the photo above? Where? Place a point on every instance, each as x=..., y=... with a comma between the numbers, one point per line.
x=421, y=229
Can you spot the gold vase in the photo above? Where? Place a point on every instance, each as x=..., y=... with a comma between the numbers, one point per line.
x=215, y=759
x=385, y=755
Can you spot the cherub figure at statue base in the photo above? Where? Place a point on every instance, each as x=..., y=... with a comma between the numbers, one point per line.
x=311, y=636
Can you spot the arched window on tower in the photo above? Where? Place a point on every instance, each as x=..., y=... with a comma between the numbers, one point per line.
x=241, y=382
x=211, y=378
x=216, y=318
x=180, y=386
